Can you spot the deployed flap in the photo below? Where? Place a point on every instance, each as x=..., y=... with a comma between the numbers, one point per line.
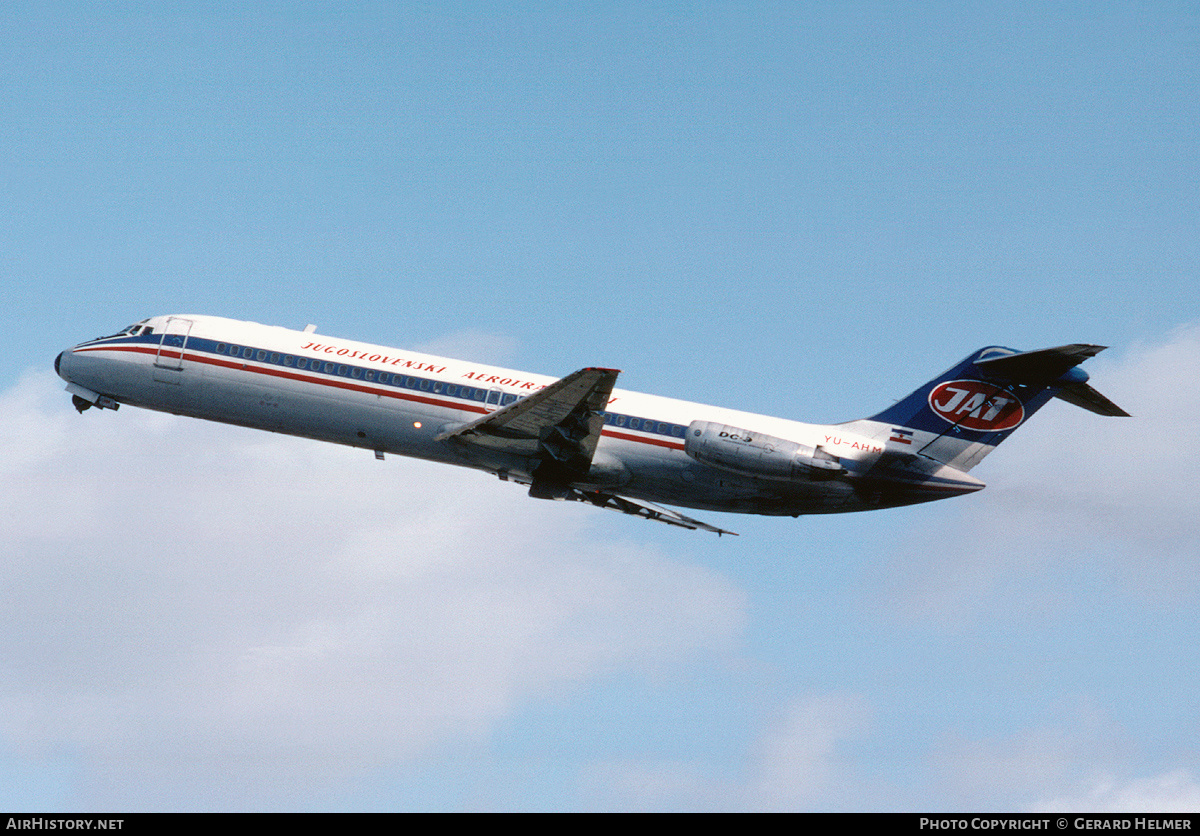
x=643, y=509
x=563, y=420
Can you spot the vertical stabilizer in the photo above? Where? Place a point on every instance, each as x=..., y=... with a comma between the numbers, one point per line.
x=962, y=415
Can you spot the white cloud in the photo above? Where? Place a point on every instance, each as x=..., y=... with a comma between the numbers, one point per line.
x=1177, y=791
x=633, y=786
x=1066, y=768
x=1000, y=773
x=801, y=759
x=212, y=617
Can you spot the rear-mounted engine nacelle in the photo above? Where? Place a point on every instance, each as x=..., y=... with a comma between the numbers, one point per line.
x=756, y=454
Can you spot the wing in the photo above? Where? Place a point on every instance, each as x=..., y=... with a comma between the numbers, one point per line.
x=560, y=424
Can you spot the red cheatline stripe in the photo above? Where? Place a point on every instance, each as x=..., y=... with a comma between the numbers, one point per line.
x=353, y=387
x=660, y=442
x=304, y=378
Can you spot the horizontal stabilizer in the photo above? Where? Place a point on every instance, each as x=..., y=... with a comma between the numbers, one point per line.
x=1047, y=367
x=1085, y=397
x=1044, y=366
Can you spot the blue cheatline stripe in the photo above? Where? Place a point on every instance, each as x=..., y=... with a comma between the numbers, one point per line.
x=318, y=370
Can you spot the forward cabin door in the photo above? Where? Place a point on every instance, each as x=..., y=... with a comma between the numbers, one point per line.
x=168, y=360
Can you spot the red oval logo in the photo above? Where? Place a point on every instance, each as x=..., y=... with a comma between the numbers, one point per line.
x=976, y=405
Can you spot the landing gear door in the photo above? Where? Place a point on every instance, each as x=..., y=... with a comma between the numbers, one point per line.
x=168, y=360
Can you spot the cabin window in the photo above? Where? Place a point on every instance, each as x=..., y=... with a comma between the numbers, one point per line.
x=302, y=362
x=451, y=389
x=369, y=374
x=288, y=359
x=220, y=348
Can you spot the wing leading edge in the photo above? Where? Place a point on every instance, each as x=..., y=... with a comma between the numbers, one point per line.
x=561, y=426
x=566, y=418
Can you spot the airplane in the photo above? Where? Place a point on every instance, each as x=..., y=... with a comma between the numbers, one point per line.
x=578, y=437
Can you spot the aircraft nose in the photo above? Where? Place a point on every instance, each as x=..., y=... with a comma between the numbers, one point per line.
x=62, y=365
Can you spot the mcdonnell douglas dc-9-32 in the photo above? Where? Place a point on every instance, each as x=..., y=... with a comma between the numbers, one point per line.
x=578, y=437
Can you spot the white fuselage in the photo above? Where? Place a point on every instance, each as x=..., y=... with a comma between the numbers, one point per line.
x=394, y=401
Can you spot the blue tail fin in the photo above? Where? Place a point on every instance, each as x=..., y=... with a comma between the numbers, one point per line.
x=960, y=416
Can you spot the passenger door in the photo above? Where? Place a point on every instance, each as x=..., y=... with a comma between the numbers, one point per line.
x=168, y=360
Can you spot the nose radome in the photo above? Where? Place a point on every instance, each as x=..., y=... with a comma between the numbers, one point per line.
x=62, y=364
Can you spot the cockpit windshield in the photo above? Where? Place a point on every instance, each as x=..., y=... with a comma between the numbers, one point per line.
x=131, y=330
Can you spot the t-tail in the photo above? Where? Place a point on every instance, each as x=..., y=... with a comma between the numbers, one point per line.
x=959, y=417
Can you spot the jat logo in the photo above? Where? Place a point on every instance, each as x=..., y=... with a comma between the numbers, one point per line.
x=975, y=405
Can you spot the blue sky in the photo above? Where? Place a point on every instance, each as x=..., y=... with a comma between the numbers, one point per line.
x=795, y=209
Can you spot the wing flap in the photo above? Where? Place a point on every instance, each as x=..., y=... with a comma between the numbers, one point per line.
x=643, y=509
